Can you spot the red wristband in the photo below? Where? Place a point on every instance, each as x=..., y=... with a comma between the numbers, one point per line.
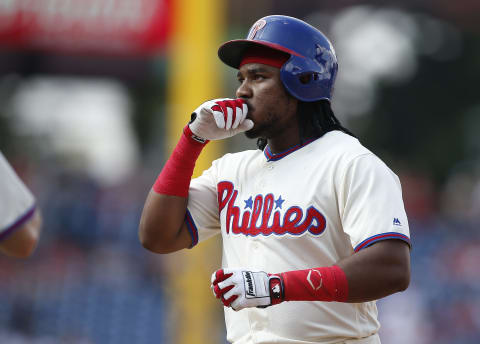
x=318, y=284
x=176, y=174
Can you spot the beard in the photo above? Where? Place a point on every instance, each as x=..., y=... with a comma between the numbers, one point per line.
x=252, y=133
x=264, y=128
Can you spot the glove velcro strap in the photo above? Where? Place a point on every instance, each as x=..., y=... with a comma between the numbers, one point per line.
x=277, y=291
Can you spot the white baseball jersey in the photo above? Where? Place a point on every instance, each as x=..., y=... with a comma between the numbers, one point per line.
x=309, y=206
x=17, y=204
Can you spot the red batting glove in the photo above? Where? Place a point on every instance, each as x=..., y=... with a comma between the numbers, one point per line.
x=240, y=288
x=220, y=118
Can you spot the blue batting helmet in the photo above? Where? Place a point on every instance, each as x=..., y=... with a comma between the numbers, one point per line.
x=309, y=74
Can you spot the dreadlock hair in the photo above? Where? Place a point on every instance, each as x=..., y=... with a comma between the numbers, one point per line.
x=314, y=118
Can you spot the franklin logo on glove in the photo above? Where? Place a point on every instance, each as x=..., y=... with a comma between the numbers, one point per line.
x=249, y=284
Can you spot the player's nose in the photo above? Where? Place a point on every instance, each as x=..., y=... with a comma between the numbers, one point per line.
x=244, y=91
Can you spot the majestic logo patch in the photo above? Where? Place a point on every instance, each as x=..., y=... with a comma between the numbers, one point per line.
x=260, y=24
x=265, y=214
x=396, y=222
x=249, y=284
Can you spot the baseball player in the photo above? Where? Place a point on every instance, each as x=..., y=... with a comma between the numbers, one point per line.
x=313, y=224
x=20, y=220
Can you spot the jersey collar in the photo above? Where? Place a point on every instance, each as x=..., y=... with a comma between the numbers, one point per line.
x=274, y=157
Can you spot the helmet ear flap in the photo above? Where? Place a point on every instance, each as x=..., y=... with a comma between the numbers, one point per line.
x=308, y=77
x=305, y=78
x=308, y=80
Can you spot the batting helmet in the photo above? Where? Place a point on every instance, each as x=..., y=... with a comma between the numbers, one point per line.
x=309, y=73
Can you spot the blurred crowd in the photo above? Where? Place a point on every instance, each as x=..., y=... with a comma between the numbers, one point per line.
x=441, y=305
x=90, y=280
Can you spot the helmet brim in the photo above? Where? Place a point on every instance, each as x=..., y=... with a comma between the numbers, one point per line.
x=231, y=52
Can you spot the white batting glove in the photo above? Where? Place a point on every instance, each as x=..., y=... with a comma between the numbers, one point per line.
x=220, y=118
x=240, y=288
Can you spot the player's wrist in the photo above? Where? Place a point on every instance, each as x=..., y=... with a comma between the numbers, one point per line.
x=193, y=137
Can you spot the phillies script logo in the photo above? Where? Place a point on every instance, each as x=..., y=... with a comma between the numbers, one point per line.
x=264, y=215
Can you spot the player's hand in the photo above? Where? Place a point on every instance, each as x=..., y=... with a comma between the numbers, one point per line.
x=240, y=288
x=220, y=118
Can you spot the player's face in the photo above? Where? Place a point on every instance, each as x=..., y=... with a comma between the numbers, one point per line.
x=270, y=107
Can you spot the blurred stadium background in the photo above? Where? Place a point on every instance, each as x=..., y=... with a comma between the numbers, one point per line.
x=93, y=94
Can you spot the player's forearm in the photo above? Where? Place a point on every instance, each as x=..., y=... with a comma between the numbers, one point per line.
x=161, y=225
x=377, y=271
x=162, y=228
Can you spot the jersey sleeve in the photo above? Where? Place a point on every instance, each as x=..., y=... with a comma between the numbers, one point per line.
x=17, y=204
x=371, y=204
x=202, y=216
